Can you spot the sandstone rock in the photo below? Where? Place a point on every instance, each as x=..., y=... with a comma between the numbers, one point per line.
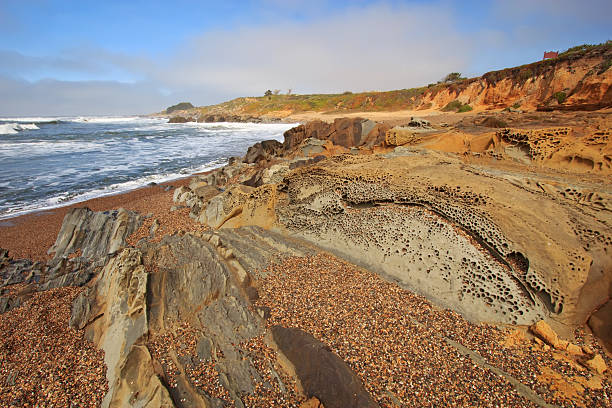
x=311, y=146
x=401, y=135
x=545, y=332
x=95, y=234
x=179, y=192
x=562, y=344
x=275, y=173
x=574, y=349
x=265, y=150
x=596, y=364
x=322, y=373
x=115, y=311
x=346, y=132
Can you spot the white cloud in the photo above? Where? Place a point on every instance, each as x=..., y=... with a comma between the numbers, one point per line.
x=51, y=97
x=372, y=48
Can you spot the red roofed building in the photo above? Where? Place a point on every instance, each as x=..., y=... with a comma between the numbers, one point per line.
x=550, y=54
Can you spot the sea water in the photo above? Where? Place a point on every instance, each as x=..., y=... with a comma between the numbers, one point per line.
x=49, y=162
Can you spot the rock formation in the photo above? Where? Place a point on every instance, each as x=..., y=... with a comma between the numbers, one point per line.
x=354, y=264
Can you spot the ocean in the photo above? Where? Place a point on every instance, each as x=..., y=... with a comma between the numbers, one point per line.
x=50, y=162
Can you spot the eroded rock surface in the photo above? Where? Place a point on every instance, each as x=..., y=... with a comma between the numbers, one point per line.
x=478, y=240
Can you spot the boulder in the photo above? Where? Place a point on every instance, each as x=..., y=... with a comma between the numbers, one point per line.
x=322, y=373
x=597, y=364
x=418, y=122
x=95, y=234
x=265, y=150
x=316, y=129
x=312, y=146
x=179, y=192
x=546, y=333
x=346, y=132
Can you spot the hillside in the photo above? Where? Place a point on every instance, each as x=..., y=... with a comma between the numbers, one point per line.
x=578, y=79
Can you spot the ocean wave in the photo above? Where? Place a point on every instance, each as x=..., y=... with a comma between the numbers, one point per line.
x=48, y=147
x=69, y=198
x=113, y=119
x=12, y=128
x=33, y=119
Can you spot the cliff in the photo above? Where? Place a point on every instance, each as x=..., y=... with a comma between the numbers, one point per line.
x=578, y=79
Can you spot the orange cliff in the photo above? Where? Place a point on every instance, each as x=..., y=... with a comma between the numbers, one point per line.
x=574, y=81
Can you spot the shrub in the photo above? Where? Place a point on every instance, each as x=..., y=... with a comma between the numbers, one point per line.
x=516, y=105
x=452, y=106
x=452, y=77
x=464, y=108
x=560, y=96
x=604, y=66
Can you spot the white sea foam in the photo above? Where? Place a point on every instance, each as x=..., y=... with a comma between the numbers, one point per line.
x=12, y=128
x=32, y=119
x=113, y=119
x=64, y=199
x=45, y=148
x=8, y=129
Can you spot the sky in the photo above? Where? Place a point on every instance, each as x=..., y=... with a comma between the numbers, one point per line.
x=118, y=57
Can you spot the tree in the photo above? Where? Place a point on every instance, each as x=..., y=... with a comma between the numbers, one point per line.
x=452, y=77
x=268, y=93
x=289, y=91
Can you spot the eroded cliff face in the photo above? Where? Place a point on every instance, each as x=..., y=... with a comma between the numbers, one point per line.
x=574, y=84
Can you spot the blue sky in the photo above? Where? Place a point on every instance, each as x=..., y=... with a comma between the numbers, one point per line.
x=113, y=57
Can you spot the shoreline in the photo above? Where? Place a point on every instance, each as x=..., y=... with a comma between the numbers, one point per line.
x=30, y=235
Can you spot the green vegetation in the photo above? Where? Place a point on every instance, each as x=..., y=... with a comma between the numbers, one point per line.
x=581, y=49
x=604, y=66
x=453, y=77
x=452, y=106
x=346, y=102
x=560, y=96
x=516, y=105
x=179, y=106
x=525, y=72
x=456, y=106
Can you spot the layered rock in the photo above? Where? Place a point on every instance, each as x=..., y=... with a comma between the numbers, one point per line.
x=83, y=246
x=451, y=235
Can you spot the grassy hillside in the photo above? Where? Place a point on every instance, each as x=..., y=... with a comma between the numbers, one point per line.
x=371, y=101
x=402, y=99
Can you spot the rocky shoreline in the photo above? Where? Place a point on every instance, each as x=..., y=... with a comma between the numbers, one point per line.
x=357, y=263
